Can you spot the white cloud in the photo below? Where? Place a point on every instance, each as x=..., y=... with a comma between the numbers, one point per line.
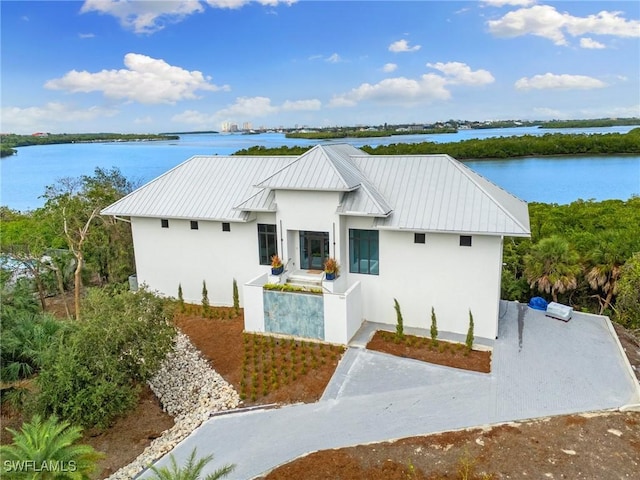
x=248, y=107
x=151, y=16
x=403, y=46
x=427, y=88
x=399, y=90
x=550, y=81
x=335, y=58
x=299, y=105
x=545, y=112
x=389, y=67
x=545, y=21
x=590, y=43
x=461, y=73
x=252, y=107
x=86, y=35
x=143, y=120
x=193, y=117
x=31, y=119
x=241, y=3
x=145, y=80
x=144, y=16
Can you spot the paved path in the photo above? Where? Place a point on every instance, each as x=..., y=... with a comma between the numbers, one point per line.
x=540, y=367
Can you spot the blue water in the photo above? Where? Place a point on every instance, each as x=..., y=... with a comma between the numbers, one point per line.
x=554, y=180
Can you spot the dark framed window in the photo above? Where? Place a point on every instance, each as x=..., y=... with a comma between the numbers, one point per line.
x=194, y=225
x=164, y=222
x=465, y=240
x=226, y=227
x=419, y=238
x=267, y=243
x=364, y=252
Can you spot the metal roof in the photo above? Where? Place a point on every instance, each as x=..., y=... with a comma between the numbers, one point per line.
x=324, y=167
x=437, y=193
x=202, y=188
x=414, y=192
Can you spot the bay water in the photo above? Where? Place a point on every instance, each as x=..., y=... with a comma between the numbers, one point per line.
x=559, y=180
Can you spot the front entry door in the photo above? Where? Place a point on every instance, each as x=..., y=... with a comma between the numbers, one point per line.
x=314, y=250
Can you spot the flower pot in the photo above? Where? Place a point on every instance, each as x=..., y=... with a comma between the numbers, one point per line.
x=277, y=270
x=330, y=276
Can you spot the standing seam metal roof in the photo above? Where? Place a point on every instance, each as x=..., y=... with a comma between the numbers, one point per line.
x=415, y=192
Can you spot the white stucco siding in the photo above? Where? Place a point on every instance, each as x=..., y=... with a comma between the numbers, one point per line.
x=439, y=273
x=166, y=257
x=307, y=210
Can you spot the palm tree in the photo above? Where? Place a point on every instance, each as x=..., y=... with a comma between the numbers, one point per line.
x=553, y=266
x=191, y=471
x=45, y=450
x=606, y=262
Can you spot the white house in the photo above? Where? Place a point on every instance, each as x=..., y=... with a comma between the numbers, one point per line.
x=422, y=229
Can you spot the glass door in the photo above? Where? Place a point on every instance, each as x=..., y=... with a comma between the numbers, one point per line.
x=314, y=250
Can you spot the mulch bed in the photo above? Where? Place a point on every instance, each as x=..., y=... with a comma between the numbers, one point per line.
x=420, y=348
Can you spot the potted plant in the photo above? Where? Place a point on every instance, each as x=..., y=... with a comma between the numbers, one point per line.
x=331, y=268
x=276, y=265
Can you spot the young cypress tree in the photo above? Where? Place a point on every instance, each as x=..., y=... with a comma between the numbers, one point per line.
x=399, y=321
x=469, y=340
x=434, y=328
x=206, y=309
x=181, y=298
x=236, y=297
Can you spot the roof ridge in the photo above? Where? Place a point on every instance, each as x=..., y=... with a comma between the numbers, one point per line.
x=465, y=171
x=336, y=170
x=365, y=187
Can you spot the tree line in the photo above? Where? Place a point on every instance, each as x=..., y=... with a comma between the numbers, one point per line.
x=496, y=147
x=9, y=142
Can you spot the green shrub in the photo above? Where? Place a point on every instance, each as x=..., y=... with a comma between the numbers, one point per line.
x=89, y=375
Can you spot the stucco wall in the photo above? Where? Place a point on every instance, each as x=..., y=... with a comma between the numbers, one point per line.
x=168, y=256
x=307, y=210
x=439, y=274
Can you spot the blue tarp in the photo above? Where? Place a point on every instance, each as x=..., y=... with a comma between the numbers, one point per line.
x=538, y=303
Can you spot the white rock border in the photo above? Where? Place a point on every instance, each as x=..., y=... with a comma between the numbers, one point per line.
x=188, y=389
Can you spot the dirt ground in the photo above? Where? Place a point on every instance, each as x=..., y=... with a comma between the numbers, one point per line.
x=604, y=446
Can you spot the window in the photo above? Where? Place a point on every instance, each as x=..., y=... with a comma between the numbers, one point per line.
x=267, y=243
x=194, y=225
x=419, y=238
x=164, y=223
x=226, y=227
x=465, y=240
x=363, y=251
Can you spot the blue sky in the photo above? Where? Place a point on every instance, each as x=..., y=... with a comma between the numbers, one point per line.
x=156, y=66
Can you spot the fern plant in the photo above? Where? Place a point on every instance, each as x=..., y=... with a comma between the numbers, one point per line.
x=192, y=470
x=47, y=450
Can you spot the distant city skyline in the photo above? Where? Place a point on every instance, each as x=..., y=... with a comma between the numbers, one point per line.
x=188, y=65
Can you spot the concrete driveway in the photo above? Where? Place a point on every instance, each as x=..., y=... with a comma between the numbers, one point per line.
x=540, y=367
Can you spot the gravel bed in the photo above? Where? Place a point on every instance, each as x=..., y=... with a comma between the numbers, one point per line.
x=188, y=389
